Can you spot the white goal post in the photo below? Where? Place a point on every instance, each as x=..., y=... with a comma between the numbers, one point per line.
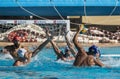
x=53, y=25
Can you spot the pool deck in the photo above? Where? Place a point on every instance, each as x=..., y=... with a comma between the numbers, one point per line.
x=61, y=44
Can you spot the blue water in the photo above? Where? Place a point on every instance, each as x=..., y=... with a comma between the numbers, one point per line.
x=44, y=66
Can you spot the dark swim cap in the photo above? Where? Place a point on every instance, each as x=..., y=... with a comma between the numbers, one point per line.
x=94, y=49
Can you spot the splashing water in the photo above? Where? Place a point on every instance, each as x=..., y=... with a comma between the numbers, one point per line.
x=45, y=66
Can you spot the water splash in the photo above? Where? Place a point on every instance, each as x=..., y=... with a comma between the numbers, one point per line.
x=111, y=61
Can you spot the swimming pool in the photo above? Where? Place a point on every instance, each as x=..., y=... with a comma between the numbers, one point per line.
x=44, y=66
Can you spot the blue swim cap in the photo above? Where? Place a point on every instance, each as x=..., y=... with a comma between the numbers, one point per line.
x=94, y=49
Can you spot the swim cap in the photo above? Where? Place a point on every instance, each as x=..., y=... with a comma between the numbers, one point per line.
x=21, y=52
x=94, y=49
x=67, y=49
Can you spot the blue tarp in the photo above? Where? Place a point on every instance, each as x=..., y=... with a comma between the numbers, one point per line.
x=65, y=7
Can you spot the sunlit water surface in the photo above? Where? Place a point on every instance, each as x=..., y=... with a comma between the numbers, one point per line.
x=44, y=66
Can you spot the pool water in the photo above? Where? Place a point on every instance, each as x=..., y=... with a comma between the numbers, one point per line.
x=44, y=66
